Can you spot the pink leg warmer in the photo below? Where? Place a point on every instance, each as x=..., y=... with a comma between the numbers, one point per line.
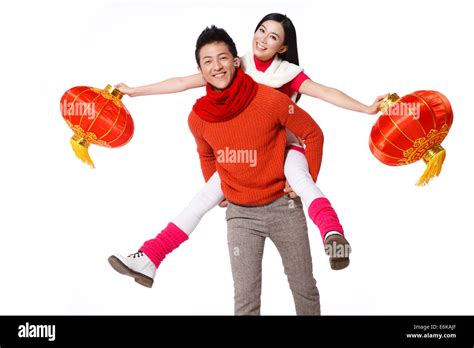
x=164, y=243
x=324, y=216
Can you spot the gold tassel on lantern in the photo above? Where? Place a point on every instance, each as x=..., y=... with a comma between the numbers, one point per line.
x=434, y=159
x=81, y=149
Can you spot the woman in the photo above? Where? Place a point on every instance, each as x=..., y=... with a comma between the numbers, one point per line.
x=274, y=62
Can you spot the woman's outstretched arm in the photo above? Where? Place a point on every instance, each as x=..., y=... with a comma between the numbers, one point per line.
x=338, y=98
x=172, y=85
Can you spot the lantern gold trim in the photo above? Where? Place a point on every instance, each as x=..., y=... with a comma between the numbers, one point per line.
x=388, y=101
x=114, y=91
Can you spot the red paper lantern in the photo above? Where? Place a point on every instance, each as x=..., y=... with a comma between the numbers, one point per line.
x=97, y=117
x=412, y=128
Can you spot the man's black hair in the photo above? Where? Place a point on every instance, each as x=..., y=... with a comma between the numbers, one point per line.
x=211, y=35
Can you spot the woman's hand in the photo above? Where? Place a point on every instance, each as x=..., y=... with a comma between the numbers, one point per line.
x=374, y=108
x=122, y=87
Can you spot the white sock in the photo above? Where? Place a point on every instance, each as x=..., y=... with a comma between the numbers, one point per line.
x=206, y=199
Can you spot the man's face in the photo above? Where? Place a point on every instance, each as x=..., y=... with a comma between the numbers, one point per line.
x=217, y=65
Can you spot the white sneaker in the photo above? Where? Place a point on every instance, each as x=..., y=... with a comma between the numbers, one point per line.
x=137, y=266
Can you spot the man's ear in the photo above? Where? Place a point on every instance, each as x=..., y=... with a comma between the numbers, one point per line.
x=199, y=69
x=283, y=49
x=237, y=62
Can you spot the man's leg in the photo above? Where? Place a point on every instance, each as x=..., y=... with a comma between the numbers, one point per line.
x=246, y=239
x=289, y=233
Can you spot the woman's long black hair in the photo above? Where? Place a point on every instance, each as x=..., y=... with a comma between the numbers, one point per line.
x=291, y=54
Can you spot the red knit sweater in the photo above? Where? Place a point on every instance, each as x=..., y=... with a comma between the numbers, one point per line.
x=248, y=151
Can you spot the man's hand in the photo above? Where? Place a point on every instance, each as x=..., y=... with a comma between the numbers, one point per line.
x=224, y=203
x=290, y=191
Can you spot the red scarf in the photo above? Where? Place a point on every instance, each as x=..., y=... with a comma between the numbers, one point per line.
x=225, y=105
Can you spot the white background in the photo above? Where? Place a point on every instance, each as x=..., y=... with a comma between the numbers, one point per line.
x=60, y=220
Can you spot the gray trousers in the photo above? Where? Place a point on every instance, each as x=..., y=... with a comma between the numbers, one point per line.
x=284, y=222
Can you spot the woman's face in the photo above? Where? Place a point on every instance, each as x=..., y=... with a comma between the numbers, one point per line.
x=268, y=40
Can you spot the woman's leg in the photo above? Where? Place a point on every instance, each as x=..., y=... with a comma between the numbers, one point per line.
x=206, y=199
x=319, y=208
x=300, y=180
x=181, y=227
x=143, y=264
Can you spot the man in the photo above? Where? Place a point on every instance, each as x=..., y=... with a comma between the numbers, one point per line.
x=240, y=115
